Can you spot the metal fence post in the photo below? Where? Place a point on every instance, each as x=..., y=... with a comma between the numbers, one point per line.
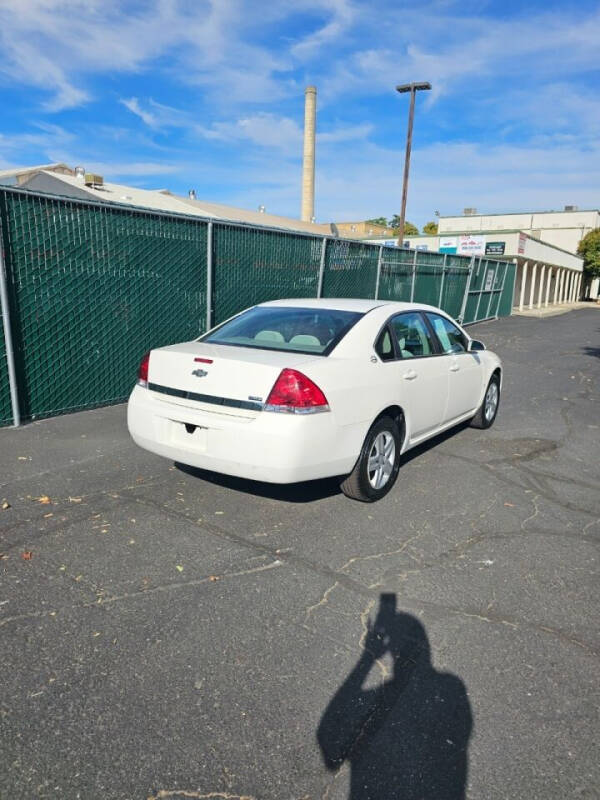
x=414, y=277
x=501, y=291
x=442, y=283
x=10, y=354
x=483, y=277
x=463, y=307
x=379, y=258
x=322, y=267
x=209, y=276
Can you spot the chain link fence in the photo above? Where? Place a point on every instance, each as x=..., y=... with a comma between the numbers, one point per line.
x=92, y=286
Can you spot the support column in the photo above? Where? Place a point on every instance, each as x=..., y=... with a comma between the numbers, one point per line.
x=541, y=291
x=523, y=282
x=556, y=282
x=532, y=287
x=561, y=291
x=579, y=286
x=568, y=287
x=548, y=282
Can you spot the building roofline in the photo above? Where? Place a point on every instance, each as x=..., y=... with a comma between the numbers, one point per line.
x=517, y=213
x=502, y=232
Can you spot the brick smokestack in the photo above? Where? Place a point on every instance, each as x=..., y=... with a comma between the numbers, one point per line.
x=308, y=160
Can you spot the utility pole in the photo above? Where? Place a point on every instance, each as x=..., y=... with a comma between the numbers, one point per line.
x=413, y=88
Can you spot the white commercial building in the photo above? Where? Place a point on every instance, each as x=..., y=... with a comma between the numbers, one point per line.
x=542, y=244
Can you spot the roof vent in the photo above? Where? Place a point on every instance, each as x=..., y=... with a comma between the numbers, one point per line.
x=261, y=209
x=571, y=208
x=93, y=180
x=192, y=194
x=469, y=212
x=80, y=173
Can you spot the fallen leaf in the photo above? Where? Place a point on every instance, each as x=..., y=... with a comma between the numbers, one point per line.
x=219, y=512
x=178, y=568
x=44, y=500
x=22, y=458
x=48, y=515
x=27, y=555
x=5, y=505
x=510, y=505
x=213, y=578
x=74, y=499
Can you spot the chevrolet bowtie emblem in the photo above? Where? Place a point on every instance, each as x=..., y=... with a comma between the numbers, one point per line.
x=199, y=373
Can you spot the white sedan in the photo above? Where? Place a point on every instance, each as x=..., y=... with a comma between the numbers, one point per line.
x=294, y=390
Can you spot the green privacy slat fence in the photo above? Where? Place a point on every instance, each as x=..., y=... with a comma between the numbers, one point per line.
x=252, y=265
x=5, y=409
x=92, y=289
x=350, y=269
x=92, y=286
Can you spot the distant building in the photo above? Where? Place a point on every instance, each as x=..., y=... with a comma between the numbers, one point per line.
x=564, y=229
x=358, y=230
x=546, y=274
x=60, y=179
x=18, y=176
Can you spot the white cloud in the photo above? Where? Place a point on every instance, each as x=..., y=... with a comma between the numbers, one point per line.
x=133, y=105
x=342, y=15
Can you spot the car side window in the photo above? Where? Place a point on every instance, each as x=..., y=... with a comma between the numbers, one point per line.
x=384, y=347
x=412, y=336
x=450, y=337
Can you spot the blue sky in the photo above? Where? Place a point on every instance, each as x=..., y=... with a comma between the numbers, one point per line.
x=209, y=95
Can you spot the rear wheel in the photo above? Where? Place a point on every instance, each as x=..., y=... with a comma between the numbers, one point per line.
x=377, y=467
x=485, y=416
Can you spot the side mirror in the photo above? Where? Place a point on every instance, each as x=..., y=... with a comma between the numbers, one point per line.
x=475, y=345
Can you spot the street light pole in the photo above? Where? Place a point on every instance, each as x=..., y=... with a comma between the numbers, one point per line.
x=413, y=88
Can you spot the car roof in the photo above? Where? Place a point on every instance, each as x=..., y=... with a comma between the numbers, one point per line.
x=345, y=304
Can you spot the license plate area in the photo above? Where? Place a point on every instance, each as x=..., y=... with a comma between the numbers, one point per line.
x=188, y=435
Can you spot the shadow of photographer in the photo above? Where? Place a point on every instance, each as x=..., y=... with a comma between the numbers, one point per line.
x=406, y=739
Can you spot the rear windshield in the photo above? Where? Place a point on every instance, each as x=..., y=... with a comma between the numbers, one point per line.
x=298, y=330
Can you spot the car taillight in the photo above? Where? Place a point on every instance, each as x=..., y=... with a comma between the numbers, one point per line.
x=143, y=371
x=295, y=393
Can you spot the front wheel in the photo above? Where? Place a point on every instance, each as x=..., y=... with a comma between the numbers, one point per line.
x=486, y=414
x=377, y=467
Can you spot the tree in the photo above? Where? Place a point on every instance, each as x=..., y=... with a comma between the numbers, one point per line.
x=409, y=228
x=378, y=221
x=589, y=248
x=430, y=227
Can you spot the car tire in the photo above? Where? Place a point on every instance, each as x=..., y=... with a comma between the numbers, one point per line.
x=376, y=469
x=486, y=414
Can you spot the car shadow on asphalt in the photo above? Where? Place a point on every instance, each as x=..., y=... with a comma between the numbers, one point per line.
x=408, y=737
x=308, y=491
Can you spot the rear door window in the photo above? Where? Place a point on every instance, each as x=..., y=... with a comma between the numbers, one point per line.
x=412, y=335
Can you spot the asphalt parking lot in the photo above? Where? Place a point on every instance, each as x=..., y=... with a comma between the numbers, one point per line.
x=170, y=634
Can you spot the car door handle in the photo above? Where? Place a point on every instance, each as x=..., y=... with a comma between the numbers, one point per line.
x=454, y=368
x=410, y=375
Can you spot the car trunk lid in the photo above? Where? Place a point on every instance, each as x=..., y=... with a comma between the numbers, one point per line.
x=218, y=378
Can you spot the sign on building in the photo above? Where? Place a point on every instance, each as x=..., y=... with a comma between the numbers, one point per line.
x=471, y=245
x=495, y=248
x=522, y=243
x=448, y=244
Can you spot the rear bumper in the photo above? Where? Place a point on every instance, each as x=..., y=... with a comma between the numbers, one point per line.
x=276, y=448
